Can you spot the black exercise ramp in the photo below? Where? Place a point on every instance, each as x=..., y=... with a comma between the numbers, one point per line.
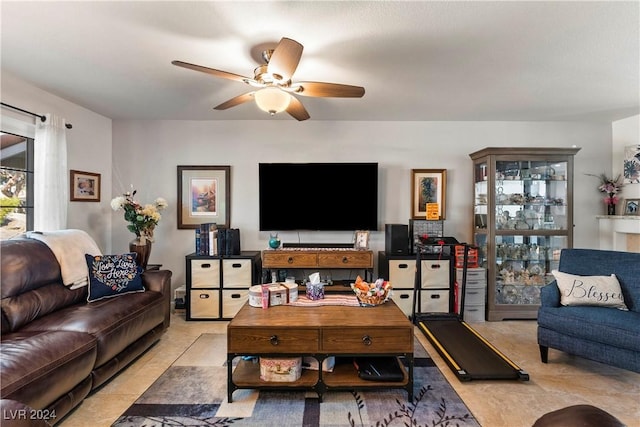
x=468, y=354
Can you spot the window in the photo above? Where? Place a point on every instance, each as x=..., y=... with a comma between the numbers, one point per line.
x=16, y=185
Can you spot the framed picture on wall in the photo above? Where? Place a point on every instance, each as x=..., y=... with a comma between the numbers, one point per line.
x=84, y=186
x=632, y=164
x=204, y=196
x=428, y=186
x=632, y=207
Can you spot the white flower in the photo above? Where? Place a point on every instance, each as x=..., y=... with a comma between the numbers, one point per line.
x=142, y=219
x=118, y=202
x=161, y=203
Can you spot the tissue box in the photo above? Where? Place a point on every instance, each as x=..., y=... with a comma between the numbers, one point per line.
x=284, y=369
x=279, y=294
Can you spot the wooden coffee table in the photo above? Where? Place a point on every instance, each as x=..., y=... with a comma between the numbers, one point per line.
x=320, y=332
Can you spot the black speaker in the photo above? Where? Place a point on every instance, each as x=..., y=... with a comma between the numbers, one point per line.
x=396, y=239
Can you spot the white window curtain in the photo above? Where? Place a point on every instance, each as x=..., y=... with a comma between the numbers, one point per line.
x=51, y=180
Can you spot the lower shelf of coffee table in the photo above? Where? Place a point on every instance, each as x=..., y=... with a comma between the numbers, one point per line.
x=344, y=376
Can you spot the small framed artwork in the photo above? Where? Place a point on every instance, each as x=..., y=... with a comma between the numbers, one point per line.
x=632, y=164
x=84, y=186
x=361, y=240
x=428, y=190
x=632, y=207
x=204, y=196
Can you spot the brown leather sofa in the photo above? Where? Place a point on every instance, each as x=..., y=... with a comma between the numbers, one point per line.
x=55, y=347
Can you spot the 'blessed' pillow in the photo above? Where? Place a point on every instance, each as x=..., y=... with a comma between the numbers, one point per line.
x=603, y=291
x=113, y=275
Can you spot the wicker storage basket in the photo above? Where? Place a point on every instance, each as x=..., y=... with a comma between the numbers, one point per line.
x=366, y=300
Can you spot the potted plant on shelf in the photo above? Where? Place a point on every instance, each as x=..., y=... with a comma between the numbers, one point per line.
x=611, y=187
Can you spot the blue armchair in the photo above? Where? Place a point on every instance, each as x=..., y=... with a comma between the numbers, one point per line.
x=603, y=334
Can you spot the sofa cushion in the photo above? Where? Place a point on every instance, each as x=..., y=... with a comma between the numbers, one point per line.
x=31, y=283
x=602, y=291
x=114, y=322
x=113, y=275
x=40, y=366
x=607, y=326
x=591, y=262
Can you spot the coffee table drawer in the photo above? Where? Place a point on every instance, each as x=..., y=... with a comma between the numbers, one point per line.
x=346, y=259
x=362, y=341
x=279, y=259
x=272, y=340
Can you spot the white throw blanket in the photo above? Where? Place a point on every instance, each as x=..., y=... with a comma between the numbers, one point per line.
x=69, y=247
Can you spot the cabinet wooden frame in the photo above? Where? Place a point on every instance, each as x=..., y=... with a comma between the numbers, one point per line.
x=495, y=168
x=433, y=180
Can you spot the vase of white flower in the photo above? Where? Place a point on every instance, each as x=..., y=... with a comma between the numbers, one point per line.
x=142, y=222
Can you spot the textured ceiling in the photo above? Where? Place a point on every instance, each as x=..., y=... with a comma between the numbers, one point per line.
x=417, y=60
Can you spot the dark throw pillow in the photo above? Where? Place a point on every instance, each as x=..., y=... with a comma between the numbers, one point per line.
x=113, y=275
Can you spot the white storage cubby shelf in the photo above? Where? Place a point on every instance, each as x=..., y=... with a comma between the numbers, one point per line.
x=436, y=281
x=217, y=287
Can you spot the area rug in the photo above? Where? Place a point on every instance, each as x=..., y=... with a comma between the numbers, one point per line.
x=193, y=392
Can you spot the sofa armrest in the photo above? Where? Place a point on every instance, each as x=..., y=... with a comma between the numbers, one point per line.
x=157, y=280
x=160, y=281
x=550, y=295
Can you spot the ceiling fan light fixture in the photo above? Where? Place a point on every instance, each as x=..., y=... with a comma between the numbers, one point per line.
x=272, y=100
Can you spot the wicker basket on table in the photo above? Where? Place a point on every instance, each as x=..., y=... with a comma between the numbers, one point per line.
x=367, y=300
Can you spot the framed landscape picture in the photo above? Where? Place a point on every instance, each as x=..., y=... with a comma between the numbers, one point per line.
x=204, y=196
x=84, y=186
x=428, y=186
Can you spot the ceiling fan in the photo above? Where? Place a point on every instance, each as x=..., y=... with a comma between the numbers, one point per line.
x=275, y=88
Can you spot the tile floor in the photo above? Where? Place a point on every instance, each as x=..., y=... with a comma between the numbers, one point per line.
x=565, y=381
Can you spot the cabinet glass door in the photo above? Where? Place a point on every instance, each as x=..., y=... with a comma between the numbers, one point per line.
x=524, y=265
x=531, y=195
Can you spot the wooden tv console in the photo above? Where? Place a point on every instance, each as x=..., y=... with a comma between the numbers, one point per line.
x=320, y=258
x=320, y=332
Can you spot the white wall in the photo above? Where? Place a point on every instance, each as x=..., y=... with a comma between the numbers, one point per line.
x=147, y=153
x=88, y=147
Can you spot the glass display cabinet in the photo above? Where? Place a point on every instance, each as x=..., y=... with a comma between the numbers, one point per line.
x=522, y=219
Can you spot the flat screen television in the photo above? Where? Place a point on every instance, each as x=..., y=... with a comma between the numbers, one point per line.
x=318, y=196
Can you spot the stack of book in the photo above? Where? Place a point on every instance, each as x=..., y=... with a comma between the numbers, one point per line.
x=207, y=239
x=214, y=241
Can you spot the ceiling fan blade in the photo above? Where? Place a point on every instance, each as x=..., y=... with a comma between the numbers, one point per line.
x=213, y=72
x=297, y=110
x=284, y=59
x=329, y=90
x=240, y=99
